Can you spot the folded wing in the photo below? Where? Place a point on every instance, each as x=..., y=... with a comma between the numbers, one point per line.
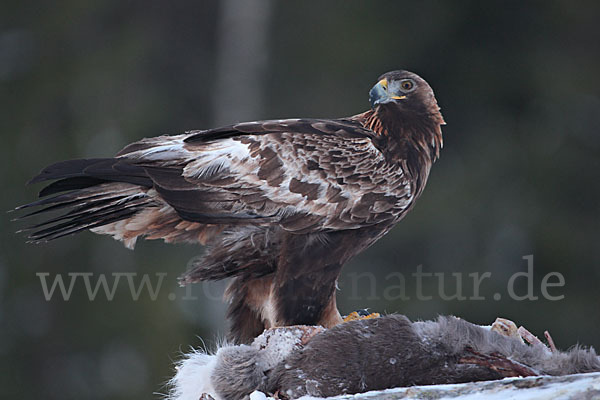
x=303, y=175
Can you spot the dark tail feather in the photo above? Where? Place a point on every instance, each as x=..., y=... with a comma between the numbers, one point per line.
x=66, y=184
x=66, y=169
x=82, y=173
x=108, y=169
x=98, y=192
x=60, y=201
x=88, y=217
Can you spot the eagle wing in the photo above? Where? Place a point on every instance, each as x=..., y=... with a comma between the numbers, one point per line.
x=303, y=175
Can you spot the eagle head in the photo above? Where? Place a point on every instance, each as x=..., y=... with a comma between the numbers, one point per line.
x=403, y=91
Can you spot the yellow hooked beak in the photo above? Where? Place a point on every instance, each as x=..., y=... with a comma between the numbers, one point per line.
x=381, y=94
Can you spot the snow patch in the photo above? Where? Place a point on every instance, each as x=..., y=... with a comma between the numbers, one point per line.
x=256, y=395
x=579, y=386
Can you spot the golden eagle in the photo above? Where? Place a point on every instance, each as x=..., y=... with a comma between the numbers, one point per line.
x=281, y=204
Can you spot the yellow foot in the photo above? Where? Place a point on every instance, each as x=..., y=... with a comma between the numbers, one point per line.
x=353, y=316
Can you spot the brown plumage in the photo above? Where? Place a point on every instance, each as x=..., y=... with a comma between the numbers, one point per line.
x=281, y=204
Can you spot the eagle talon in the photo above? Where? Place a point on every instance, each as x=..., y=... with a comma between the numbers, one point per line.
x=355, y=315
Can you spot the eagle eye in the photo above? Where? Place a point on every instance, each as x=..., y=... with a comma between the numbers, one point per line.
x=407, y=85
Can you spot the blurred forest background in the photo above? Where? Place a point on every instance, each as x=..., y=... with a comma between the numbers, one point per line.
x=519, y=86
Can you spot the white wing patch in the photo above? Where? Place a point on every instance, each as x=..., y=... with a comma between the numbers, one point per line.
x=216, y=157
x=165, y=148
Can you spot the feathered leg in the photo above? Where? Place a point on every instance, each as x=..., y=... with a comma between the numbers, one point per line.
x=307, y=272
x=305, y=280
x=246, y=299
x=308, y=299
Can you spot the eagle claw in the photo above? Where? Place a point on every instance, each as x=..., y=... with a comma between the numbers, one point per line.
x=356, y=315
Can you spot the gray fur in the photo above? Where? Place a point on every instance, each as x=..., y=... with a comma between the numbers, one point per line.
x=236, y=373
x=383, y=353
x=240, y=370
x=457, y=334
x=372, y=354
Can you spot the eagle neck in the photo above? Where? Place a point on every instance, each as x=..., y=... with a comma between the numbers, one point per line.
x=411, y=139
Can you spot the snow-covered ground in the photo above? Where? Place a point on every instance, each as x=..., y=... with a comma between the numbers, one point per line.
x=581, y=386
